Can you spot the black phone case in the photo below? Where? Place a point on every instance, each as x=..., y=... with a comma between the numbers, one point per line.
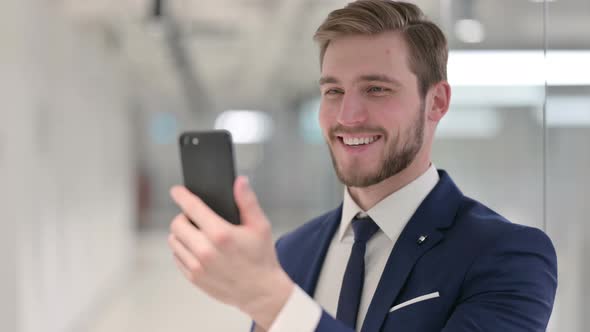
x=208, y=169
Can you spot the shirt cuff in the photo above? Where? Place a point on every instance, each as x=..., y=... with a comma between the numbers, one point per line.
x=300, y=314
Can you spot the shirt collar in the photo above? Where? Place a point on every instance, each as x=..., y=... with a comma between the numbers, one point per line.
x=393, y=212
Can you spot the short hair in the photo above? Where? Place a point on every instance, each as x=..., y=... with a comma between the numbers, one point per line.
x=428, y=49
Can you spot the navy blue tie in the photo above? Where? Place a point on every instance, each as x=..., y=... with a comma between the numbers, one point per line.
x=354, y=276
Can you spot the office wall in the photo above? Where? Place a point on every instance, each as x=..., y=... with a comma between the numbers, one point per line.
x=66, y=166
x=567, y=139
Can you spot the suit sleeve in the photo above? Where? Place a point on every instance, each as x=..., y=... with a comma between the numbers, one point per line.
x=509, y=287
x=301, y=313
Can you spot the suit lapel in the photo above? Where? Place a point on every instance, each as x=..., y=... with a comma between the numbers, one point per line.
x=315, y=248
x=436, y=213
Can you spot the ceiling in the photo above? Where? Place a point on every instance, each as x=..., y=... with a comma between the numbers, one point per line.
x=238, y=51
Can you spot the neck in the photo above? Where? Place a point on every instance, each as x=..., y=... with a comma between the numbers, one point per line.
x=367, y=197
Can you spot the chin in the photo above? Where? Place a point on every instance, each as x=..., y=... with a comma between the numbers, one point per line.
x=358, y=179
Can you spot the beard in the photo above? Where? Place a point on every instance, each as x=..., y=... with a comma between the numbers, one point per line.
x=398, y=155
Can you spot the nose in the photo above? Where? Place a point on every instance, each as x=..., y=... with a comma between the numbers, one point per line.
x=352, y=111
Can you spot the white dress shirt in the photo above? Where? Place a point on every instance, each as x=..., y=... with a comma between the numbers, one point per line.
x=301, y=313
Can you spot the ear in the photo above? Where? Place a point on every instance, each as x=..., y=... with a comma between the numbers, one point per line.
x=440, y=95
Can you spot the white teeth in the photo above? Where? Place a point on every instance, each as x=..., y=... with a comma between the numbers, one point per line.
x=359, y=141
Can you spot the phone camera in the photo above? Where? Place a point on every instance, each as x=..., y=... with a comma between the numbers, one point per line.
x=195, y=141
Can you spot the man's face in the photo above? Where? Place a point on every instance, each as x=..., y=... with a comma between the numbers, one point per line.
x=371, y=112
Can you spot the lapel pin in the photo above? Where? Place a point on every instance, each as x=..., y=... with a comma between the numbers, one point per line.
x=422, y=238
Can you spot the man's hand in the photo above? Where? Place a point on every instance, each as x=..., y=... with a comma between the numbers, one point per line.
x=236, y=265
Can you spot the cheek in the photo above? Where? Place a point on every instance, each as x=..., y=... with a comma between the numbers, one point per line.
x=324, y=118
x=396, y=116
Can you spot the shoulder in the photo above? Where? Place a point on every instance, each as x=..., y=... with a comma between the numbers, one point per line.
x=508, y=265
x=483, y=226
x=308, y=242
x=308, y=229
x=495, y=243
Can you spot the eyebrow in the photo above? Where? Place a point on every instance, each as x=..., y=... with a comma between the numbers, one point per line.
x=328, y=79
x=362, y=78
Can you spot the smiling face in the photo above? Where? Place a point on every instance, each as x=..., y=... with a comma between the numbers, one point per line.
x=371, y=113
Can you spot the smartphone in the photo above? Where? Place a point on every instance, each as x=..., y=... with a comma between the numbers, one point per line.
x=207, y=160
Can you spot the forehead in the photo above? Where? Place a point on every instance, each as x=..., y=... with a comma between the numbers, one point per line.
x=352, y=56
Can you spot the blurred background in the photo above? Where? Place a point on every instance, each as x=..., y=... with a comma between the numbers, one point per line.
x=94, y=94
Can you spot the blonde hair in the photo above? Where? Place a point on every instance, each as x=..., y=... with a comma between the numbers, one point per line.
x=428, y=50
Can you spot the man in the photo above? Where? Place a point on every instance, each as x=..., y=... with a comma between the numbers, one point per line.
x=406, y=250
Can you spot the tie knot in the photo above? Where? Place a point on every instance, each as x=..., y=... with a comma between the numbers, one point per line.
x=364, y=229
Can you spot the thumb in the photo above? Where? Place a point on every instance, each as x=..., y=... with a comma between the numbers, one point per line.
x=251, y=213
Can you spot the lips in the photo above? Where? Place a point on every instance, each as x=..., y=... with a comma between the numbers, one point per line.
x=355, y=141
x=357, y=144
x=358, y=140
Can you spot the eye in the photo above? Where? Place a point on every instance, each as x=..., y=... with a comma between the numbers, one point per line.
x=377, y=89
x=332, y=92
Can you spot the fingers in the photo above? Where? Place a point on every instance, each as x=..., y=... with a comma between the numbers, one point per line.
x=189, y=265
x=207, y=220
x=185, y=271
x=250, y=211
x=192, y=239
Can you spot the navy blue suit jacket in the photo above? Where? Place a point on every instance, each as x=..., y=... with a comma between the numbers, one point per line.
x=491, y=275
